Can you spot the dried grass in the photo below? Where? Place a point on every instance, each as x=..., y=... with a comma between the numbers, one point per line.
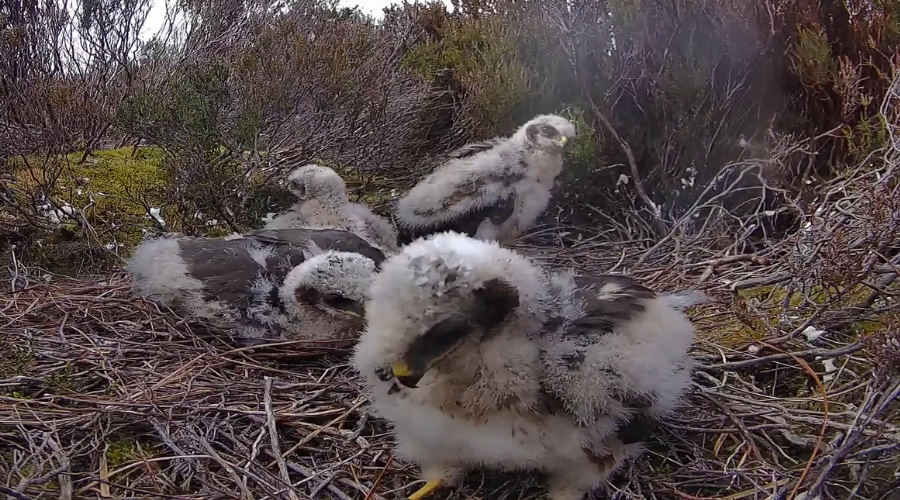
x=795, y=393
x=105, y=394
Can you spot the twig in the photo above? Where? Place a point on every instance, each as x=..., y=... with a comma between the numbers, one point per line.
x=755, y=362
x=273, y=437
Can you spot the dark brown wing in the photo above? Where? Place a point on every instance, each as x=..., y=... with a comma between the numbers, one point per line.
x=609, y=299
x=227, y=269
x=470, y=149
x=466, y=224
x=326, y=239
x=230, y=271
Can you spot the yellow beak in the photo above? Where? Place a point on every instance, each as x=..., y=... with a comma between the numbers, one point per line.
x=401, y=369
x=563, y=140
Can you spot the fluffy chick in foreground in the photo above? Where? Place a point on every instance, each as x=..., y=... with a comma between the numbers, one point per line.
x=478, y=357
x=491, y=190
x=323, y=203
x=308, y=284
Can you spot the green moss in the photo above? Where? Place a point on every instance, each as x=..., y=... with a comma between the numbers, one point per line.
x=725, y=327
x=756, y=311
x=123, y=450
x=112, y=188
x=769, y=301
x=817, y=294
x=373, y=190
x=62, y=381
x=866, y=328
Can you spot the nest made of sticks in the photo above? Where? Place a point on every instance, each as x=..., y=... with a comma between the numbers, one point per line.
x=105, y=394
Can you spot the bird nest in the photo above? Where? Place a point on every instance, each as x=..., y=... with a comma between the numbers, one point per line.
x=105, y=394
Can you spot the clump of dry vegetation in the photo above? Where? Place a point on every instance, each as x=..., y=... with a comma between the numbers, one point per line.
x=751, y=151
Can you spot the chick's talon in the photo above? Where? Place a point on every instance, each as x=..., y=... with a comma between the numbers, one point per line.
x=383, y=374
x=426, y=490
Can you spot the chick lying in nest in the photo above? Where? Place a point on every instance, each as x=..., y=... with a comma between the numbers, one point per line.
x=295, y=284
x=479, y=357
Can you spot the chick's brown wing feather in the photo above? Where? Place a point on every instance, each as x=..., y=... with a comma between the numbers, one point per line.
x=469, y=150
x=607, y=300
x=326, y=239
x=467, y=223
x=226, y=268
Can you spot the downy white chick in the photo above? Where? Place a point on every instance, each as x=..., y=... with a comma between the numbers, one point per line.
x=323, y=203
x=291, y=283
x=491, y=190
x=479, y=357
x=323, y=298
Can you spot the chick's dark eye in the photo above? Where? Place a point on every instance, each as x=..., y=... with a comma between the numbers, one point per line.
x=298, y=186
x=547, y=130
x=337, y=301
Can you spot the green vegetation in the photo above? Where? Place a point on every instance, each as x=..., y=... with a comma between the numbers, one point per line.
x=102, y=203
x=686, y=86
x=122, y=450
x=682, y=95
x=482, y=53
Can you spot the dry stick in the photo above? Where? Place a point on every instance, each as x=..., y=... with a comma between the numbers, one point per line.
x=387, y=465
x=629, y=154
x=852, y=436
x=273, y=436
x=740, y=425
x=13, y=493
x=65, y=482
x=230, y=469
x=810, y=354
x=623, y=145
x=821, y=438
x=312, y=435
x=308, y=473
x=104, y=473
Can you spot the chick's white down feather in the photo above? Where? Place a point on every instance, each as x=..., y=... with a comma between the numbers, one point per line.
x=331, y=282
x=243, y=285
x=323, y=203
x=495, y=189
x=557, y=386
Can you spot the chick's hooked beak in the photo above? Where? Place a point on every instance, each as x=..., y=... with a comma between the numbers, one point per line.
x=562, y=141
x=405, y=375
x=430, y=348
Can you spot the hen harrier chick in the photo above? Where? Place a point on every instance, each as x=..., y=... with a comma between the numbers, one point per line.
x=290, y=283
x=323, y=203
x=481, y=358
x=491, y=190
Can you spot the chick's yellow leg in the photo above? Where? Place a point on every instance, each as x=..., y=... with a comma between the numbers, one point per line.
x=438, y=476
x=426, y=490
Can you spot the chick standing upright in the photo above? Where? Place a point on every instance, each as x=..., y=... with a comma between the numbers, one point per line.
x=491, y=190
x=479, y=357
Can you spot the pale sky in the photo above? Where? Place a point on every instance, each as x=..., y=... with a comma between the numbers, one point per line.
x=157, y=12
